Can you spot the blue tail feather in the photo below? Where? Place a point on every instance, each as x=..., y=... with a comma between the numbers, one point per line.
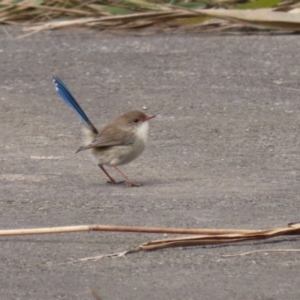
x=66, y=95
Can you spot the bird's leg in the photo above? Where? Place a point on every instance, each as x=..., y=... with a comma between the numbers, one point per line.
x=111, y=180
x=129, y=182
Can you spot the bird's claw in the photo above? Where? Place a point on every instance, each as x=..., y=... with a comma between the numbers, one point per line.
x=127, y=183
x=114, y=182
x=132, y=184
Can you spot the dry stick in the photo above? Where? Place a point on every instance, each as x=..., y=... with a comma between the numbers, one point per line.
x=205, y=236
x=66, y=229
x=230, y=233
x=219, y=239
x=206, y=239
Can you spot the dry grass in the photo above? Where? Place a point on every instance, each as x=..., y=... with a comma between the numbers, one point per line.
x=199, y=15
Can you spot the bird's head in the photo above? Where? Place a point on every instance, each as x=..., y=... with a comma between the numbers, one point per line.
x=134, y=118
x=135, y=121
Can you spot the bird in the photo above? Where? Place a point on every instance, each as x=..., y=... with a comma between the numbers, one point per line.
x=118, y=143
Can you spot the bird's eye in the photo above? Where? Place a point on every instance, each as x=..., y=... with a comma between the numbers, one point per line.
x=135, y=120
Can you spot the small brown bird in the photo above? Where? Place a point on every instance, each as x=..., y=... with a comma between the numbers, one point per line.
x=118, y=143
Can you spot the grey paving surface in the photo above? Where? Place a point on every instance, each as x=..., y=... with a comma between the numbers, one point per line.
x=223, y=153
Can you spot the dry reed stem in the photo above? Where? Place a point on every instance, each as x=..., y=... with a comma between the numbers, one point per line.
x=211, y=239
x=203, y=236
x=87, y=228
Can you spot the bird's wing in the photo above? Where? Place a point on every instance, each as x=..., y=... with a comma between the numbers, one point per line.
x=113, y=136
x=110, y=136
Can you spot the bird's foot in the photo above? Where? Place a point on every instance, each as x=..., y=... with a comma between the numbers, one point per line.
x=132, y=184
x=127, y=183
x=115, y=182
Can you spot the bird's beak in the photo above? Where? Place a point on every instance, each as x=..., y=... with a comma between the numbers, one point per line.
x=148, y=117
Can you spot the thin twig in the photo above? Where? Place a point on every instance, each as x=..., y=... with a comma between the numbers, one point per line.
x=260, y=251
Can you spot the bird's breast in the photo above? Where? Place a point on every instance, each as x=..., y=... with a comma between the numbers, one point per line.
x=130, y=152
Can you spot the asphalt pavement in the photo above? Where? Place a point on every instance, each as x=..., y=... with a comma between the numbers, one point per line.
x=223, y=152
